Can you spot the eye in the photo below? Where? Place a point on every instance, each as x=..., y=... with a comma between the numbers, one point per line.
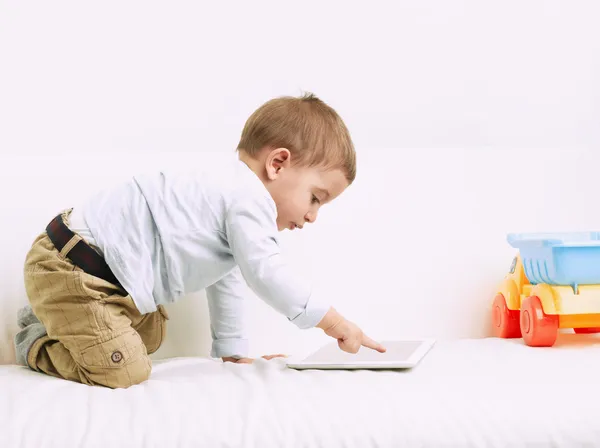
x=315, y=200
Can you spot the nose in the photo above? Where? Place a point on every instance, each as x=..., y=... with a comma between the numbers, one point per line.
x=311, y=216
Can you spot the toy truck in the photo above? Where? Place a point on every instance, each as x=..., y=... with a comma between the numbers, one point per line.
x=553, y=283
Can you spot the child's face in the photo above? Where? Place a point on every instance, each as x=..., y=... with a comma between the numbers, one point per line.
x=299, y=192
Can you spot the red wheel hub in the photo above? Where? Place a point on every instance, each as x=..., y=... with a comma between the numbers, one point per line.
x=525, y=322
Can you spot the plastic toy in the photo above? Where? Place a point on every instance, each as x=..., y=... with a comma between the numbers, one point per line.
x=553, y=283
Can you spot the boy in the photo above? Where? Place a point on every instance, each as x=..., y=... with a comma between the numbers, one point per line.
x=98, y=277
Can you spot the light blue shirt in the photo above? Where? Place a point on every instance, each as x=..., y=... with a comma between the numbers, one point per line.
x=168, y=234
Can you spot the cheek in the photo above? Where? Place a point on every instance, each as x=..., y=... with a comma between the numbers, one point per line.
x=284, y=203
x=301, y=201
x=289, y=207
x=292, y=202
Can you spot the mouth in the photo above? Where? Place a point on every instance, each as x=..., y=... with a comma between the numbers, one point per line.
x=293, y=226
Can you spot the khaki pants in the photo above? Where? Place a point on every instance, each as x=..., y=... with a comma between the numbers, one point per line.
x=96, y=335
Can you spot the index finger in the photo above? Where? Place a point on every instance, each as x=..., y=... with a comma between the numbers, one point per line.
x=370, y=343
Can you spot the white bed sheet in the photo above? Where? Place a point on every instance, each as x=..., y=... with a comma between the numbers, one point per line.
x=468, y=393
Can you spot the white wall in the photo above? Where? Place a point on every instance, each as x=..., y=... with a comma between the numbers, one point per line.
x=165, y=75
x=471, y=119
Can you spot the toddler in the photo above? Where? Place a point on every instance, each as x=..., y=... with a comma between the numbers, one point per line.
x=99, y=276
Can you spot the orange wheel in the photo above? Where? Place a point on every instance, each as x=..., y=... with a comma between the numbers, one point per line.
x=586, y=330
x=538, y=328
x=505, y=322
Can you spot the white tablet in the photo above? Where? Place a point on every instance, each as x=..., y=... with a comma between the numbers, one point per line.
x=399, y=355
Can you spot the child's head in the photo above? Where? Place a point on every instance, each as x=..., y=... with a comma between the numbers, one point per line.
x=302, y=151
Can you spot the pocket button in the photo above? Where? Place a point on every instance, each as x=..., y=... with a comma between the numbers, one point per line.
x=116, y=357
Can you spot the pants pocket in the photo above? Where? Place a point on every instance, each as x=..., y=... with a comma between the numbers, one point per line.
x=119, y=362
x=115, y=353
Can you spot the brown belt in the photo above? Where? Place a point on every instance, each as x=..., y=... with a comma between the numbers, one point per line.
x=82, y=254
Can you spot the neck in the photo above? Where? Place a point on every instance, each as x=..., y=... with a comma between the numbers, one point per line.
x=254, y=164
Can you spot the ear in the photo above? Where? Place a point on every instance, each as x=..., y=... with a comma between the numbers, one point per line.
x=277, y=160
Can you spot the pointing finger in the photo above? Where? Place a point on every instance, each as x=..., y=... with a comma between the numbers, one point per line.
x=370, y=343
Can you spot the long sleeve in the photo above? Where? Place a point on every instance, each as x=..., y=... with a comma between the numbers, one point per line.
x=252, y=234
x=227, y=317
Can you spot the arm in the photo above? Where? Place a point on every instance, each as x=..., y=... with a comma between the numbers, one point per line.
x=226, y=309
x=252, y=234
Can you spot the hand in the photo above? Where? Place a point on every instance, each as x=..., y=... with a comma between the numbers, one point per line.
x=350, y=337
x=250, y=360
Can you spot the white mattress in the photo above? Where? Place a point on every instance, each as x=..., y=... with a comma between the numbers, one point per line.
x=480, y=393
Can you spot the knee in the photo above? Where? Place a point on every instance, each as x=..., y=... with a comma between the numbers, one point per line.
x=129, y=375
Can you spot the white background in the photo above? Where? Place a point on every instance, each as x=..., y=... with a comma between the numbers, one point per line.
x=471, y=119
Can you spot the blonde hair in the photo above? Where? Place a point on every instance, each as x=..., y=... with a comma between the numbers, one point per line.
x=311, y=130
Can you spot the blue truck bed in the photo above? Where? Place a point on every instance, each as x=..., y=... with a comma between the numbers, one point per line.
x=568, y=259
